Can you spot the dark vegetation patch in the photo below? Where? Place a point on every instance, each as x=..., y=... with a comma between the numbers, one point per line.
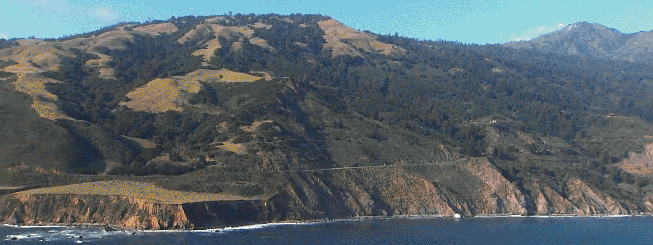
x=348, y=111
x=4, y=43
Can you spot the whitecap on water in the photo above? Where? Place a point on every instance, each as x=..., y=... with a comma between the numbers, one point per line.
x=62, y=235
x=252, y=227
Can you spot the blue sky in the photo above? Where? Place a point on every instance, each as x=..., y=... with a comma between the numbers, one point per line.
x=470, y=21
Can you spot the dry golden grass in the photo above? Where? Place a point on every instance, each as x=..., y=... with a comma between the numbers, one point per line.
x=142, y=142
x=107, y=73
x=48, y=110
x=156, y=29
x=29, y=42
x=112, y=40
x=222, y=75
x=232, y=33
x=240, y=149
x=217, y=19
x=262, y=25
x=265, y=75
x=254, y=127
x=207, y=53
x=335, y=32
x=36, y=56
x=139, y=190
x=102, y=61
x=44, y=55
x=199, y=31
x=34, y=86
x=22, y=167
x=22, y=69
x=161, y=95
x=641, y=164
x=262, y=43
x=641, y=169
x=222, y=127
x=212, y=45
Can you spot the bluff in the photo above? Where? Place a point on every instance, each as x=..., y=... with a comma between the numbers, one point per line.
x=323, y=194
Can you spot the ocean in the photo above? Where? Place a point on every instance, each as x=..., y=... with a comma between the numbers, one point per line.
x=478, y=230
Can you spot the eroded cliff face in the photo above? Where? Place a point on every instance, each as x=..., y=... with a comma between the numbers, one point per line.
x=641, y=164
x=549, y=201
x=481, y=189
x=332, y=193
x=132, y=213
x=125, y=212
x=589, y=201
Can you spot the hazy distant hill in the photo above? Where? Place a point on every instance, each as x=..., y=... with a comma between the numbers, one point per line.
x=593, y=40
x=314, y=119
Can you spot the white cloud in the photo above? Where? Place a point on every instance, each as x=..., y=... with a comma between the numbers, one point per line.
x=42, y=2
x=108, y=15
x=57, y=7
x=534, y=32
x=3, y=36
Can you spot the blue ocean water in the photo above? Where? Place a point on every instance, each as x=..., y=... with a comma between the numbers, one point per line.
x=494, y=230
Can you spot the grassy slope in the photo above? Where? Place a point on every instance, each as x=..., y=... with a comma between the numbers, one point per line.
x=139, y=190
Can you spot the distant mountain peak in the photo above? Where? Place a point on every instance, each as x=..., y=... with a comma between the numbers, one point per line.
x=584, y=26
x=592, y=40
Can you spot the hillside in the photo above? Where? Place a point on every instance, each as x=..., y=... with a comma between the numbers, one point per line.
x=593, y=40
x=300, y=117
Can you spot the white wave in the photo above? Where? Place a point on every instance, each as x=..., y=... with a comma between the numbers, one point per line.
x=557, y=216
x=35, y=226
x=254, y=226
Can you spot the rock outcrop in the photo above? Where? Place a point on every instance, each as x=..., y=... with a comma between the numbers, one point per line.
x=129, y=213
x=119, y=211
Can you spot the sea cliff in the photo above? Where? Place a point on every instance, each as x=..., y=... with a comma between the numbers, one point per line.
x=326, y=194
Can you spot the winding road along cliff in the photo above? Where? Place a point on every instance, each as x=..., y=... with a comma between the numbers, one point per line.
x=307, y=195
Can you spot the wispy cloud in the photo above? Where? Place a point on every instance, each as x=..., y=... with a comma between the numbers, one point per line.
x=106, y=14
x=534, y=32
x=50, y=7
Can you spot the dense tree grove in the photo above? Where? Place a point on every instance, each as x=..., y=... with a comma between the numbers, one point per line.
x=4, y=43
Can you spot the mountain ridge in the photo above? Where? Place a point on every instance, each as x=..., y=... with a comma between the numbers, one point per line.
x=320, y=119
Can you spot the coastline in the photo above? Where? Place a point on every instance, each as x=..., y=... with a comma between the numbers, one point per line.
x=118, y=229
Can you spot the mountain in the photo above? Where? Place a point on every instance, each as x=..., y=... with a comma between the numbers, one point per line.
x=593, y=40
x=185, y=123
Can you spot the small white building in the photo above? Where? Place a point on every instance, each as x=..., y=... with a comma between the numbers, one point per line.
x=457, y=216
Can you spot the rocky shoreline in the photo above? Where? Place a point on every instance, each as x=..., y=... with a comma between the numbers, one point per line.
x=325, y=196
x=132, y=231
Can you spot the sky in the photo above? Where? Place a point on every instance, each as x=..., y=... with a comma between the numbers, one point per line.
x=468, y=21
